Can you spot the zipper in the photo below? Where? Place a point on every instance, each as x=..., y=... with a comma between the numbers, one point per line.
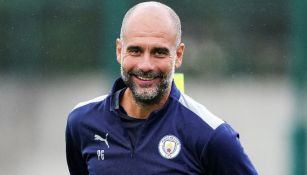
x=132, y=147
x=139, y=135
x=133, y=150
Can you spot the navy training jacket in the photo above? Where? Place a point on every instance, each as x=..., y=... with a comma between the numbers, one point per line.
x=182, y=137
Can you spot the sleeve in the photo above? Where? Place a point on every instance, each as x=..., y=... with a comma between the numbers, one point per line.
x=225, y=155
x=75, y=162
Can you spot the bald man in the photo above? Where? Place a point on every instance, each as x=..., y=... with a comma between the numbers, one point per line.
x=145, y=125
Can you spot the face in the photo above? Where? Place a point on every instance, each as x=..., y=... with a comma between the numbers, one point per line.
x=148, y=56
x=150, y=79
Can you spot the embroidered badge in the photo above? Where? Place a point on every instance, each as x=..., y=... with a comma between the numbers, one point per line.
x=169, y=146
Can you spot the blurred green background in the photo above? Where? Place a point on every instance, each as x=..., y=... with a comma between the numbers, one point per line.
x=245, y=60
x=42, y=38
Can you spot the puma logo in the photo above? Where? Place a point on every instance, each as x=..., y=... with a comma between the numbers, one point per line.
x=98, y=137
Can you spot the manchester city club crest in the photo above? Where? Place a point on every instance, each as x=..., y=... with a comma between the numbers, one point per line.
x=169, y=146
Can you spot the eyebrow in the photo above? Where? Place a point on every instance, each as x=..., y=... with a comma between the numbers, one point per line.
x=134, y=48
x=163, y=49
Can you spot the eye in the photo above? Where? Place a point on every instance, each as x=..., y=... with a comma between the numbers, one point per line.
x=134, y=51
x=161, y=52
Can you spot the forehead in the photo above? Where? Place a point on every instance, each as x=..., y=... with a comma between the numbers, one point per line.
x=151, y=25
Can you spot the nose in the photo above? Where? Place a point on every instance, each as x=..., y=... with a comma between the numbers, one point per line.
x=146, y=63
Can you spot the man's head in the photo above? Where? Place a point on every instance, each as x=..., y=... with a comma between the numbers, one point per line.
x=148, y=50
x=152, y=6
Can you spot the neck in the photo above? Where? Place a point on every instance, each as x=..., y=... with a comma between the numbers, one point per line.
x=140, y=111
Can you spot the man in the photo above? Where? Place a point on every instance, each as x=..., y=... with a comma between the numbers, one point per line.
x=145, y=125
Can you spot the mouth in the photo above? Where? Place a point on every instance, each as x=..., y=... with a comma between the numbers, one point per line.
x=145, y=81
x=145, y=78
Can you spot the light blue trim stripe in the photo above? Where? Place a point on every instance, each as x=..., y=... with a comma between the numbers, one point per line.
x=200, y=110
x=97, y=99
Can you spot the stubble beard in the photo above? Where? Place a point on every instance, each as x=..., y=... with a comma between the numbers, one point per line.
x=152, y=95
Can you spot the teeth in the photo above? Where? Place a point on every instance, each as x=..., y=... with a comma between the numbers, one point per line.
x=144, y=78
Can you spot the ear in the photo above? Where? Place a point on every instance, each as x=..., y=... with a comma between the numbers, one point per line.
x=179, y=54
x=118, y=50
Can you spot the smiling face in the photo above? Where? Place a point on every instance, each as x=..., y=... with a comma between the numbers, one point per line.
x=148, y=54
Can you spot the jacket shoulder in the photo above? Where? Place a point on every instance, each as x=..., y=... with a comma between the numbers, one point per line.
x=82, y=108
x=94, y=100
x=200, y=111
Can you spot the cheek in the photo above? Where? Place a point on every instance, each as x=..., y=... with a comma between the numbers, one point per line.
x=167, y=65
x=126, y=63
x=164, y=66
